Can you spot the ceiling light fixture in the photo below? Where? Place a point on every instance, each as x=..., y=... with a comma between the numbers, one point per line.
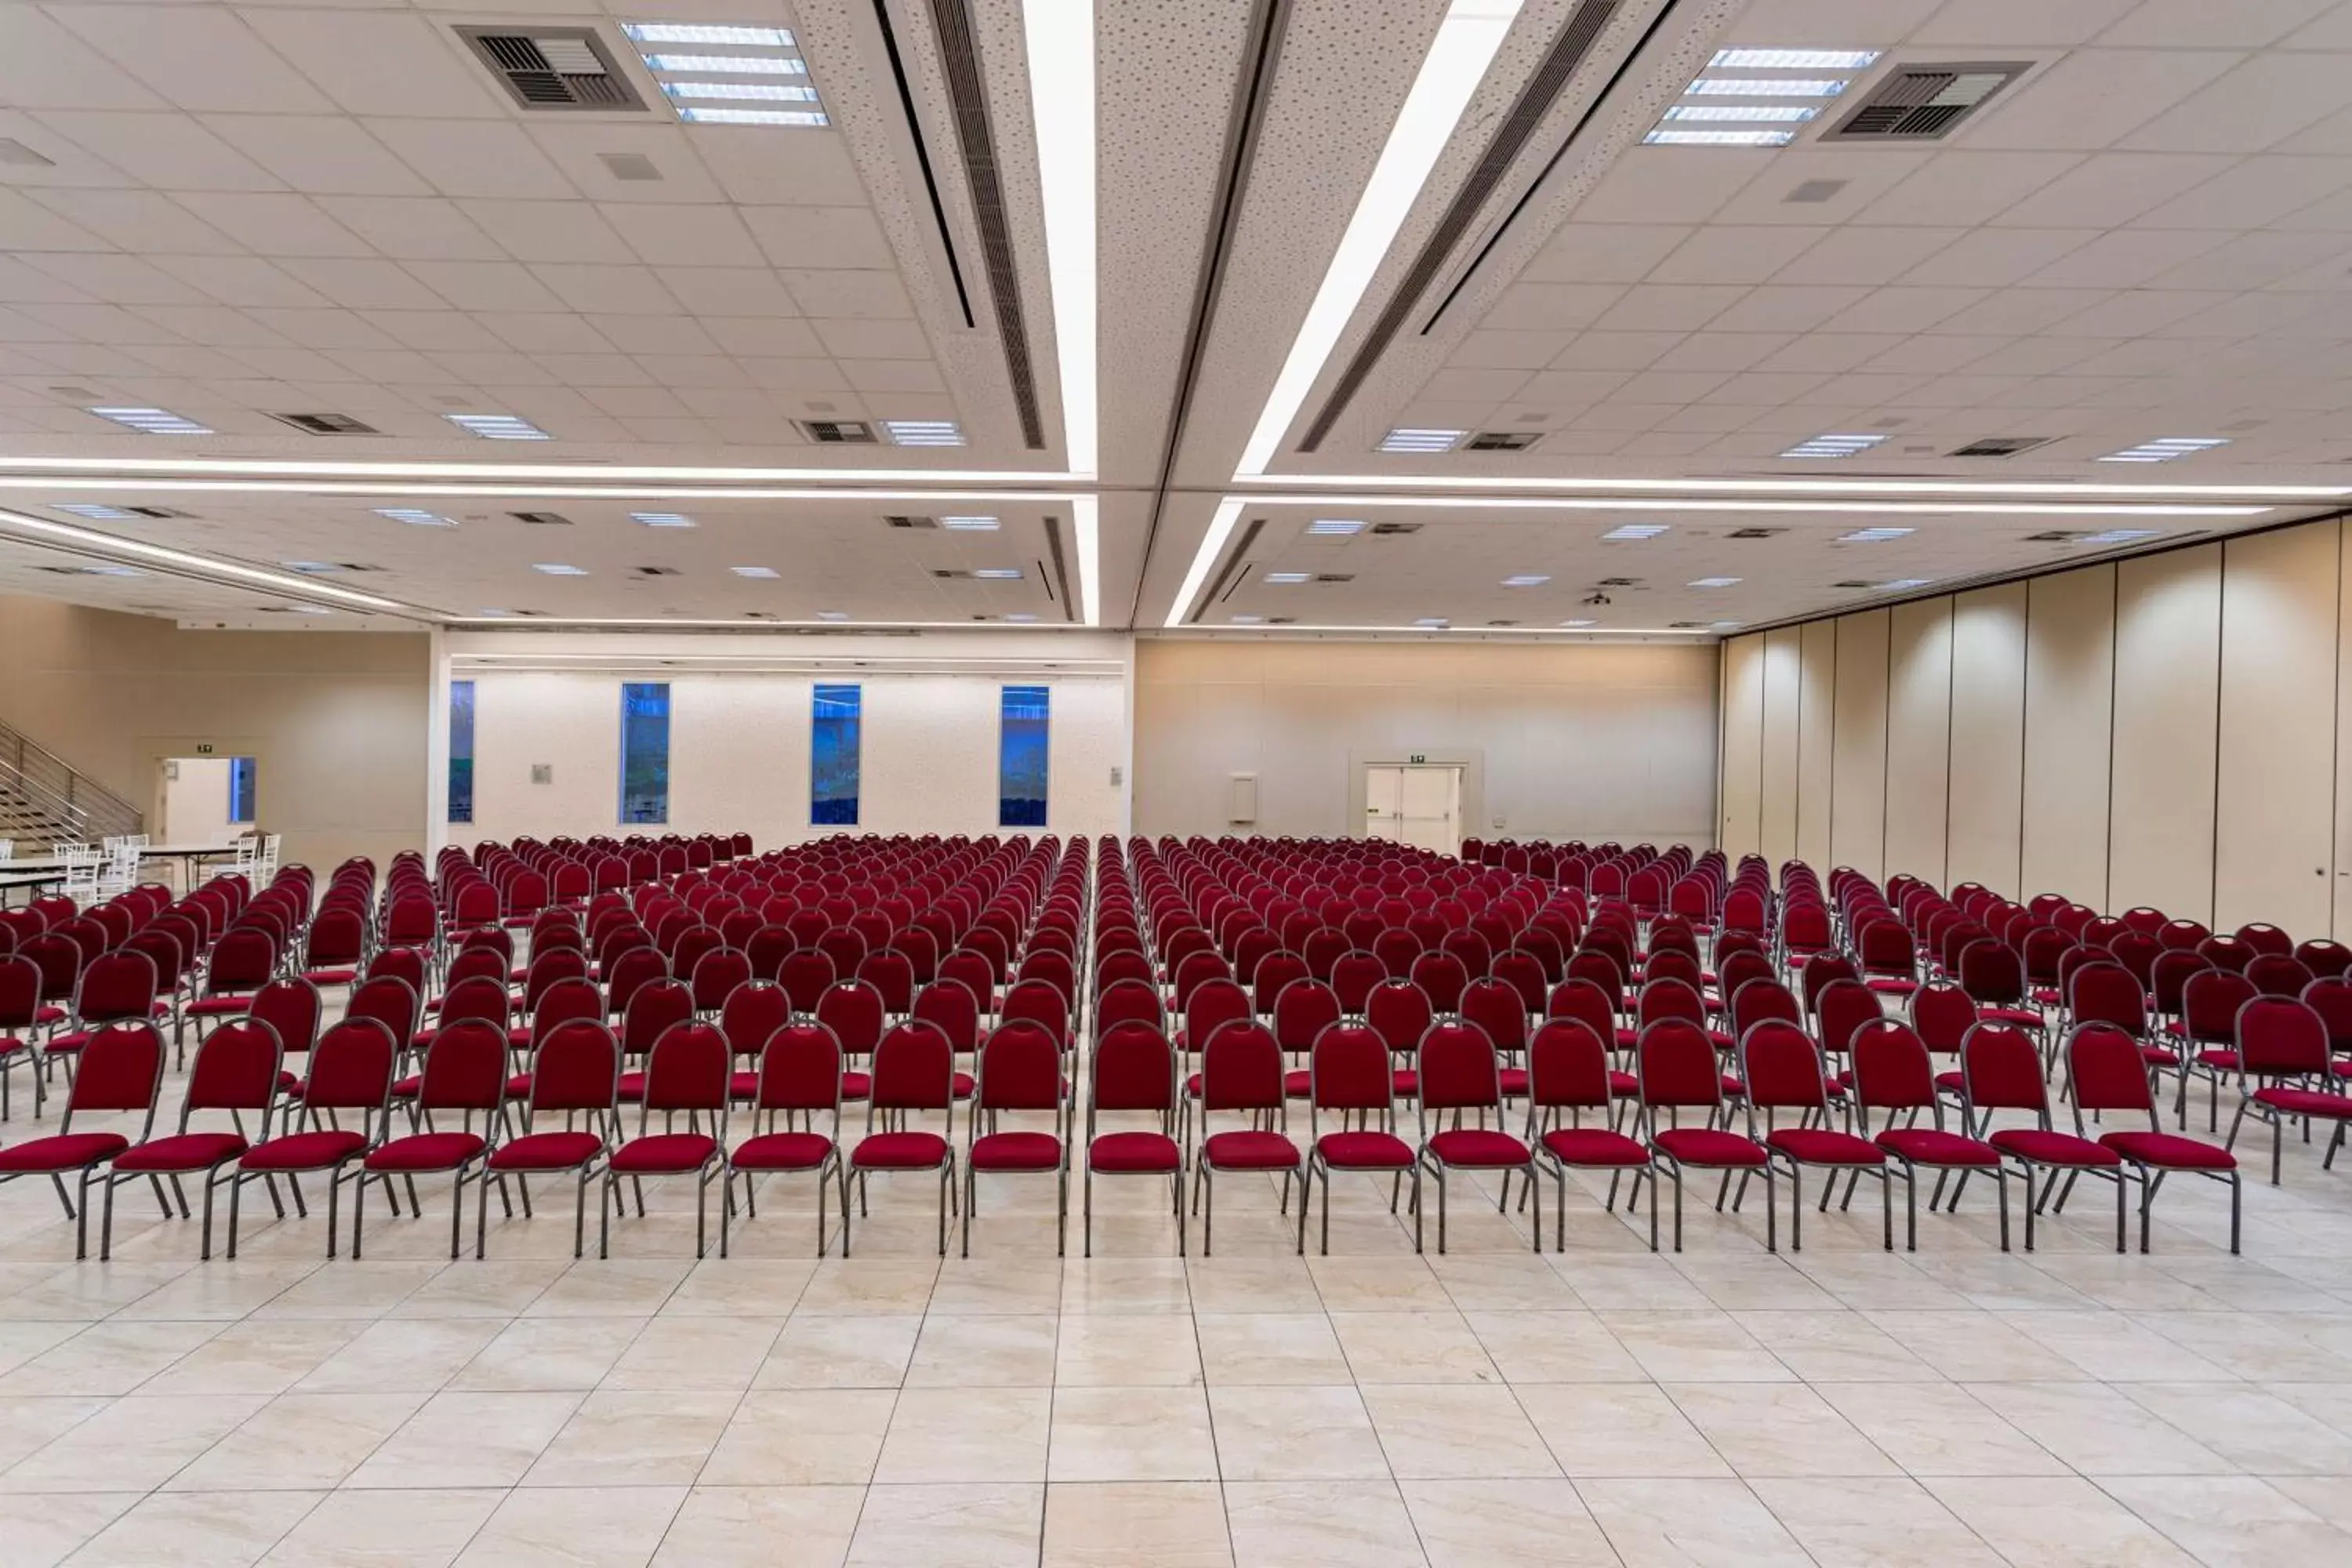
x=415, y=516
x=1213, y=544
x=1450, y=73
x=153, y=421
x=1085, y=522
x=1433, y=623
x=1766, y=86
x=1289, y=578
x=2120, y=536
x=1667, y=136
x=2164, y=449
x=1578, y=624
x=1901, y=584
x=156, y=554
x=1751, y=114
x=1630, y=530
x=833, y=614
x=754, y=53
x=662, y=518
x=1765, y=60
x=1664, y=503
x=997, y=573
x=1060, y=34
x=1423, y=441
x=923, y=432
x=1833, y=446
x=1335, y=528
x=1715, y=582
x=1764, y=124
x=1248, y=620
x=498, y=426
x=753, y=570
x=1726, y=626
x=1810, y=484
x=95, y=512
x=1874, y=535
x=557, y=569
x=805, y=116
x=111, y=571
x=311, y=568
x=968, y=524
x=1526, y=580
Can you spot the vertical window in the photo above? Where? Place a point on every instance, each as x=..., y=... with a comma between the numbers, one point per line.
x=832, y=756
x=240, y=789
x=1021, y=757
x=644, y=752
x=461, y=751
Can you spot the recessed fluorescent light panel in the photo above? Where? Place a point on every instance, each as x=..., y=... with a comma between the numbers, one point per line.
x=153, y=421
x=94, y=512
x=1022, y=617
x=1526, y=580
x=1834, y=446
x=1410, y=440
x=923, y=432
x=1873, y=535
x=715, y=75
x=968, y=524
x=1636, y=530
x=1288, y=578
x=1450, y=73
x=2119, y=536
x=1433, y=623
x=1726, y=626
x=498, y=426
x=114, y=572
x=1579, y=624
x=556, y=569
x=310, y=568
x=1901, y=584
x=833, y=614
x=1060, y=38
x=1248, y=620
x=662, y=518
x=2164, y=449
x=1335, y=528
x=753, y=570
x=1756, y=97
x=997, y=573
x=1714, y=582
x=412, y=515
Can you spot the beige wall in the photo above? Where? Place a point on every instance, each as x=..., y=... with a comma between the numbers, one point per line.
x=1587, y=741
x=195, y=806
x=2164, y=731
x=336, y=719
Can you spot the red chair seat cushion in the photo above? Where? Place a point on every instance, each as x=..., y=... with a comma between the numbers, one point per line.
x=330, y=976
x=2166, y=1151
x=2157, y=1057
x=408, y=1088
x=304, y=1150
x=1515, y=1082
x=50, y=1016
x=1405, y=1083
x=1480, y=1148
x=782, y=1152
x=899, y=1151
x=1623, y=1085
x=1594, y=1146
x=547, y=1151
x=1709, y=1146
x=519, y=1037
x=1734, y=1085
x=2047, y=996
x=10, y=1047
x=742, y=1086
x=182, y=1152
x=1249, y=1152
x=63, y=1152
x=425, y=1151
x=664, y=1153
x=960, y=1085
x=1298, y=1084
x=1365, y=1150
x=1927, y=1146
x=1888, y=986
x=1129, y=1154
x=219, y=1006
x=1951, y=1082
x=1824, y=1146
x=65, y=1045
x=2023, y=1018
x=1016, y=1152
x=518, y=1086
x=1628, y=1039
x=856, y=1085
x=2306, y=1102
x=2038, y=1147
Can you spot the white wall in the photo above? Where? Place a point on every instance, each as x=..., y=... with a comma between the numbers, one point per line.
x=2166, y=730
x=1592, y=740
x=739, y=730
x=196, y=803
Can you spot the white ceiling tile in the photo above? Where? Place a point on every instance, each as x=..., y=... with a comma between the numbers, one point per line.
x=1670, y=184
x=2253, y=261
x=198, y=57
x=683, y=370
x=796, y=375
x=2123, y=259
x=544, y=332
x=1566, y=388
x=380, y=62
x=169, y=151
x=25, y=225
x=419, y=228
x=1603, y=252
x=655, y=334
x=2109, y=189
x=635, y=402
x=388, y=367
x=215, y=325
x=743, y=402
x=847, y=293
x=43, y=66
x=770, y=336
x=621, y=290
x=2246, y=314
x=786, y=169
x=1735, y=253
x=1860, y=173
x=585, y=370
x=108, y=324
x=1867, y=255
x=1660, y=307
x=1503, y=351
x=1962, y=186
x=683, y=236
x=2015, y=312
x=21, y=282
x=428, y=330
x=550, y=231
x=2255, y=192
x=326, y=330
x=819, y=237
x=474, y=158
x=728, y=291
x=487, y=285
x=139, y=221
x=1473, y=385
x=1723, y=351
x=1995, y=258
x=1905, y=309
x=889, y=340
x=1938, y=352
x=1655, y=385
x=2133, y=313
x=2255, y=106
x=1777, y=308
x=892, y=375
x=1615, y=351
x=579, y=150
x=318, y=154
x=363, y=284
x=1767, y=388
x=1550, y=307
x=489, y=368
x=2092, y=97
x=2154, y=357
x=118, y=280
x=2038, y=355
x=276, y=225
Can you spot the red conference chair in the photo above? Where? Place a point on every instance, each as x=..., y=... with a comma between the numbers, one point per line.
x=2000, y=1069
x=1675, y=1071
x=1019, y=1069
x=2106, y=1075
x=235, y=1072
x=577, y=1075
x=1134, y=1070
x=1894, y=1073
x=1459, y=1071
x=800, y=1080
x=914, y=1070
x=1241, y=1070
x=1782, y=1070
x=2286, y=1070
x=121, y=1074
x=349, y=1071
x=688, y=1073
x=1349, y=1074
x=1568, y=1071
x=465, y=1075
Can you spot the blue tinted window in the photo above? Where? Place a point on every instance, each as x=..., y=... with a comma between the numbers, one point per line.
x=461, y=751
x=240, y=789
x=644, y=752
x=1022, y=758
x=832, y=757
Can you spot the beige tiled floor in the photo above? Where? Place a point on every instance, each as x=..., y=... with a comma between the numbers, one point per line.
x=1484, y=1409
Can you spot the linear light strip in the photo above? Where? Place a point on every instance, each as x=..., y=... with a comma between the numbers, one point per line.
x=748, y=624
x=1660, y=503
x=1450, y=73
x=1085, y=522
x=636, y=473
x=1414, y=628
x=592, y=492
x=1061, y=39
x=1858, y=487
x=1213, y=544
x=139, y=550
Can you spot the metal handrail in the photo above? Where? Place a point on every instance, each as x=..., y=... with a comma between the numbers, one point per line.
x=43, y=797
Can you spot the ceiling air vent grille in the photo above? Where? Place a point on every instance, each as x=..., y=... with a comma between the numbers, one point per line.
x=327, y=423
x=1502, y=440
x=656, y=571
x=1619, y=583
x=1335, y=576
x=1924, y=103
x=837, y=432
x=1392, y=529
x=1756, y=533
x=2003, y=446
x=900, y=521
x=1853, y=584
x=2057, y=536
x=554, y=67
x=542, y=519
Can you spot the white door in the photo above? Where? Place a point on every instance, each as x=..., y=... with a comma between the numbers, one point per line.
x=1421, y=806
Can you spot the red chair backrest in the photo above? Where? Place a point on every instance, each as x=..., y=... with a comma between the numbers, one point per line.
x=754, y=1011
x=654, y=1009
x=1943, y=1014
x=1399, y=1013
x=1674, y=1064
x=577, y=1068
x=2281, y=1036
x=690, y=1068
x=120, y=1069
x=1134, y=1070
x=2105, y=1071
x=914, y=1070
x=1892, y=1068
x=800, y=1069
x=292, y=1009
x=1241, y=1068
x=1347, y=1069
x=2000, y=1069
x=1782, y=1067
x=1019, y=1067
x=242, y=960
x=805, y=975
x=352, y=1067
x=1457, y=1068
x=235, y=1068
x=484, y=997
x=465, y=1068
x=1568, y=1065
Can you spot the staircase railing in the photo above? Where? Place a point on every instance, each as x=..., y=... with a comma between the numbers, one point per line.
x=45, y=800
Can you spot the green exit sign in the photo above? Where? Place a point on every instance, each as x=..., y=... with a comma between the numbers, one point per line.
x=1416, y=757
x=204, y=749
